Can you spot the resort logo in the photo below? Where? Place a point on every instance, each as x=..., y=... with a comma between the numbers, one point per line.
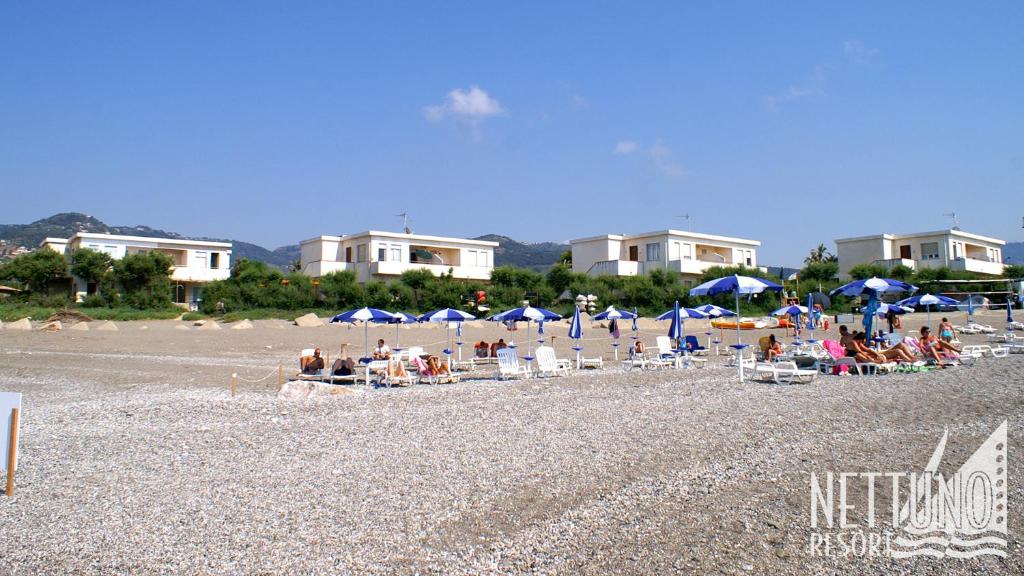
x=962, y=516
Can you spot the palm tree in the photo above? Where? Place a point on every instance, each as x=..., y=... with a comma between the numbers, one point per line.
x=819, y=254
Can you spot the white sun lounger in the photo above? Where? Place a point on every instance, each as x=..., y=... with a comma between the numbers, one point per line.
x=508, y=365
x=783, y=373
x=549, y=365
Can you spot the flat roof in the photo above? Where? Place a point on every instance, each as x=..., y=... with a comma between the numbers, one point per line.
x=670, y=232
x=146, y=239
x=402, y=236
x=948, y=232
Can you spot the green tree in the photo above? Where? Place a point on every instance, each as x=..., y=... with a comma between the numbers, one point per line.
x=340, y=290
x=865, y=271
x=145, y=279
x=1013, y=271
x=901, y=272
x=559, y=277
x=36, y=270
x=820, y=271
x=91, y=265
x=566, y=258
x=819, y=254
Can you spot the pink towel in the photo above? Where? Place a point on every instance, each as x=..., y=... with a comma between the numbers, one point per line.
x=836, y=350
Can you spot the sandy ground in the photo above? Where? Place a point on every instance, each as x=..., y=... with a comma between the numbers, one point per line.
x=136, y=460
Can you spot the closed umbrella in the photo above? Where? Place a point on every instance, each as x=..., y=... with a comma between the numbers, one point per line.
x=576, y=333
x=738, y=285
x=684, y=313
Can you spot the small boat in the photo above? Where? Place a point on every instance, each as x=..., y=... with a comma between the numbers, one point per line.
x=745, y=323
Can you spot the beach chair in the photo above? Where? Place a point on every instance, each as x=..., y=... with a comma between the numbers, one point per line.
x=508, y=365
x=667, y=354
x=389, y=380
x=595, y=362
x=982, y=328
x=549, y=364
x=693, y=346
x=982, y=350
x=785, y=372
x=305, y=357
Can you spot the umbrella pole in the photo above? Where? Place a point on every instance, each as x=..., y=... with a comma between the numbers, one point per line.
x=398, y=346
x=739, y=337
x=529, y=342
x=366, y=339
x=578, y=354
x=928, y=307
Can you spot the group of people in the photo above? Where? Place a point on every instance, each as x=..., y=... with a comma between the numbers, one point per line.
x=927, y=347
x=484, y=350
x=426, y=364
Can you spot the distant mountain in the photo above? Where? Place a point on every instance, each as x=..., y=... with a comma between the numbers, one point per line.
x=282, y=257
x=1013, y=253
x=539, y=256
x=66, y=224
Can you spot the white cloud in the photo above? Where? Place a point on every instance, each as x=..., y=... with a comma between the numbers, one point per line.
x=856, y=51
x=662, y=156
x=469, y=107
x=626, y=147
x=812, y=86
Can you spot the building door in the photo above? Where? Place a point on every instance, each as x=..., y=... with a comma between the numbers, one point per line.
x=905, y=252
x=634, y=253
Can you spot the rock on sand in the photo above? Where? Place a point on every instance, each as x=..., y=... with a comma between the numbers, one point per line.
x=211, y=325
x=106, y=326
x=54, y=326
x=242, y=325
x=79, y=326
x=308, y=320
x=23, y=324
x=297, y=389
x=181, y=327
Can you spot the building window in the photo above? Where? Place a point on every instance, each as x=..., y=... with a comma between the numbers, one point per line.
x=634, y=253
x=214, y=260
x=653, y=252
x=396, y=253
x=930, y=251
x=749, y=258
x=201, y=261
x=361, y=253
x=687, y=251
x=348, y=254
x=382, y=254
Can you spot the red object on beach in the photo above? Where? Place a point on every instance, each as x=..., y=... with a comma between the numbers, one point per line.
x=481, y=296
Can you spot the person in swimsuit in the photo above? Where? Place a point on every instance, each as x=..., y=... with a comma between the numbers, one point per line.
x=946, y=332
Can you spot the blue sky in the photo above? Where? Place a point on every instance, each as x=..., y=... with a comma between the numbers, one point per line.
x=792, y=123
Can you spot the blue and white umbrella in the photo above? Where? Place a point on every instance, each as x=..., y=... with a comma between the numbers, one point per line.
x=448, y=315
x=399, y=319
x=526, y=314
x=365, y=315
x=791, y=310
x=682, y=314
x=636, y=329
x=884, y=309
x=714, y=312
x=927, y=300
x=613, y=313
x=1009, y=312
x=872, y=287
x=675, y=329
x=738, y=285
x=576, y=333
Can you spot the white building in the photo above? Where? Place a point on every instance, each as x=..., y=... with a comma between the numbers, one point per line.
x=196, y=262
x=686, y=253
x=954, y=249
x=375, y=255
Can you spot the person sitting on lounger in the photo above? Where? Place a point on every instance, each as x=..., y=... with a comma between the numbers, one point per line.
x=382, y=351
x=481, y=349
x=314, y=364
x=774, y=348
x=846, y=339
x=430, y=365
x=639, y=348
x=499, y=345
x=946, y=332
x=933, y=348
x=343, y=367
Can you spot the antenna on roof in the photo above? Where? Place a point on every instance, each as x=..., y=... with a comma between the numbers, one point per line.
x=686, y=217
x=405, y=222
x=956, y=222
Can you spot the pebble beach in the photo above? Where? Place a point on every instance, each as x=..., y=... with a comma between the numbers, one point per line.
x=135, y=459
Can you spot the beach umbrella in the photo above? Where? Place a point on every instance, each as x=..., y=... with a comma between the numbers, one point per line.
x=791, y=310
x=819, y=298
x=714, y=312
x=927, y=300
x=1009, y=311
x=684, y=313
x=458, y=338
x=884, y=309
x=447, y=315
x=872, y=287
x=636, y=329
x=402, y=318
x=612, y=313
x=365, y=315
x=576, y=333
x=737, y=285
x=675, y=329
x=526, y=314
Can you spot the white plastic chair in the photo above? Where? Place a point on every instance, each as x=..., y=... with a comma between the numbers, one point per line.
x=549, y=364
x=508, y=365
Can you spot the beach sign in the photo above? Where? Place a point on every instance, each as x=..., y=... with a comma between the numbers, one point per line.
x=10, y=409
